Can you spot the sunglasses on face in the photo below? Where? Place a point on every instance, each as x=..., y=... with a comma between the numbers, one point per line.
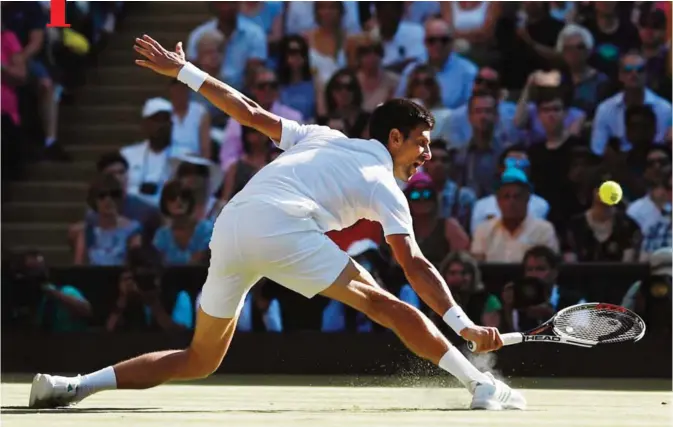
x=267, y=85
x=114, y=194
x=438, y=39
x=182, y=195
x=639, y=68
x=416, y=195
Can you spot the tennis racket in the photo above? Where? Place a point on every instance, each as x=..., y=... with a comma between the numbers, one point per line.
x=583, y=325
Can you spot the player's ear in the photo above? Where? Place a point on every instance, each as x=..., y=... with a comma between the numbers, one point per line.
x=395, y=137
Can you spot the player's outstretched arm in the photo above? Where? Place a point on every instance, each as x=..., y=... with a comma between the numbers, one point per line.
x=238, y=106
x=431, y=288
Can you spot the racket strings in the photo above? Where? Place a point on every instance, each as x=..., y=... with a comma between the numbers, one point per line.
x=597, y=324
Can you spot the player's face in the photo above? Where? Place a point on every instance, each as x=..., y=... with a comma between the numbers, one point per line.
x=411, y=153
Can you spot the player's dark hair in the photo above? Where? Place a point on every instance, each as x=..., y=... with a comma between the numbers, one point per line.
x=110, y=158
x=401, y=114
x=541, y=251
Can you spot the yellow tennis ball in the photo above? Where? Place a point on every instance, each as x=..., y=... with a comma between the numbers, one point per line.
x=610, y=193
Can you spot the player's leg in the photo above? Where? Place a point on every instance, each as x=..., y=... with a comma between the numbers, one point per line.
x=356, y=288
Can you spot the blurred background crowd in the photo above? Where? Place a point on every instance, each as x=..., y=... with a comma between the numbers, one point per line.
x=536, y=104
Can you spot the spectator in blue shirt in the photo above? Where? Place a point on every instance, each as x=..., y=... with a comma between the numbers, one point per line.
x=297, y=89
x=610, y=115
x=245, y=42
x=185, y=239
x=455, y=74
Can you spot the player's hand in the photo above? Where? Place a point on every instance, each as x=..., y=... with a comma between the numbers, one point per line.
x=486, y=338
x=158, y=59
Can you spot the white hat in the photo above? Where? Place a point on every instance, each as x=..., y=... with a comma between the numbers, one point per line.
x=156, y=105
x=216, y=176
x=359, y=247
x=661, y=260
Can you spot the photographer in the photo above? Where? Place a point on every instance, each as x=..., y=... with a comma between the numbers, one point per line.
x=31, y=301
x=651, y=297
x=139, y=305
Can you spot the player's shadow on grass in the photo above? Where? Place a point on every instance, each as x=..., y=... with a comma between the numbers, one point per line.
x=18, y=410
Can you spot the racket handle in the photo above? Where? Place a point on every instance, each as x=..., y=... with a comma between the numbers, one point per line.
x=507, y=339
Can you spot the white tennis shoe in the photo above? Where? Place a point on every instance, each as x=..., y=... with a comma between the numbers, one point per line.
x=496, y=396
x=50, y=391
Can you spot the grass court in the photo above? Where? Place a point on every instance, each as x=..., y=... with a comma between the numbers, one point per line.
x=276, y=401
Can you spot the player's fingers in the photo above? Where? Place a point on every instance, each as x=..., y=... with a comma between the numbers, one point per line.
x=143, y=52
x=178, y=48
x=148, y=46
x=153, y=42
x=498, y=339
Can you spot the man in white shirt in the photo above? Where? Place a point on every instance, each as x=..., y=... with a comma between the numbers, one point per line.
x=508, y=238
x=148, y=160
x=275, y=228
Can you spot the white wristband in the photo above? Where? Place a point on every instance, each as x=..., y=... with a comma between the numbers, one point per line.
x=457, y=319
x=192, y=76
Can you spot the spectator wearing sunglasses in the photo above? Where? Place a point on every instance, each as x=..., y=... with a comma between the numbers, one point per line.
x=610, y=115
x=458, y=130
x=436, y=236
x=575, y=44
x=488, y=208
x=184, y=240
x=378, y=84
x=343, y=102
x=105, y=241
x=454, y=73
x=297, y=89
x=264, y=91
x=423, y=88
x=614, y=35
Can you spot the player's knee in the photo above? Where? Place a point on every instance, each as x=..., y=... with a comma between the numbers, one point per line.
x=202, y=364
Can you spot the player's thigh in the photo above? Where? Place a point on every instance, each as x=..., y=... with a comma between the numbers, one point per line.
x=363, y=294
x=306, y=262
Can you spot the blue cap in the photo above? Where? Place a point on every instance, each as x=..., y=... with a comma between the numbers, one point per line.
x=513, y=175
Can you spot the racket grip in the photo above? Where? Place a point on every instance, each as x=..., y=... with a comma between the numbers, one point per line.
x=507, y=339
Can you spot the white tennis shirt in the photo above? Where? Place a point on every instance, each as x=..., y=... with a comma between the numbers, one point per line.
x=332, y=179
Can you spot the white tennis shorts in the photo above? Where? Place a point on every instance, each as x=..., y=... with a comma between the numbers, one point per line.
x=254, y=239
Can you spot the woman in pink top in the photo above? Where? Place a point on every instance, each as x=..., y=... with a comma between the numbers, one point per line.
x=13, y=75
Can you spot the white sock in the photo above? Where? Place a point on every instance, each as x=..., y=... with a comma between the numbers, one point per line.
x=105, y=379
x=457, y=365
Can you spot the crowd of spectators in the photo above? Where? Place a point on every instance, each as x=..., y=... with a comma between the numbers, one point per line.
x=536, y=104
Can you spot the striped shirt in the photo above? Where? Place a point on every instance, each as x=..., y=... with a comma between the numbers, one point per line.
x=609, y=120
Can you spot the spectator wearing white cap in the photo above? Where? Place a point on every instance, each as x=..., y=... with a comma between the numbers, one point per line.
x=148, y=160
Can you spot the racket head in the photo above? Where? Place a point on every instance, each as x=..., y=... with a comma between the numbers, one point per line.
x=598, y=323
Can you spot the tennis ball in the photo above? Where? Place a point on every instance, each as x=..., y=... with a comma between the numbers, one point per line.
x=610, y=193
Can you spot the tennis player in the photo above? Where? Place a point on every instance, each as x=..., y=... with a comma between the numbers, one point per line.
x=275, y=227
